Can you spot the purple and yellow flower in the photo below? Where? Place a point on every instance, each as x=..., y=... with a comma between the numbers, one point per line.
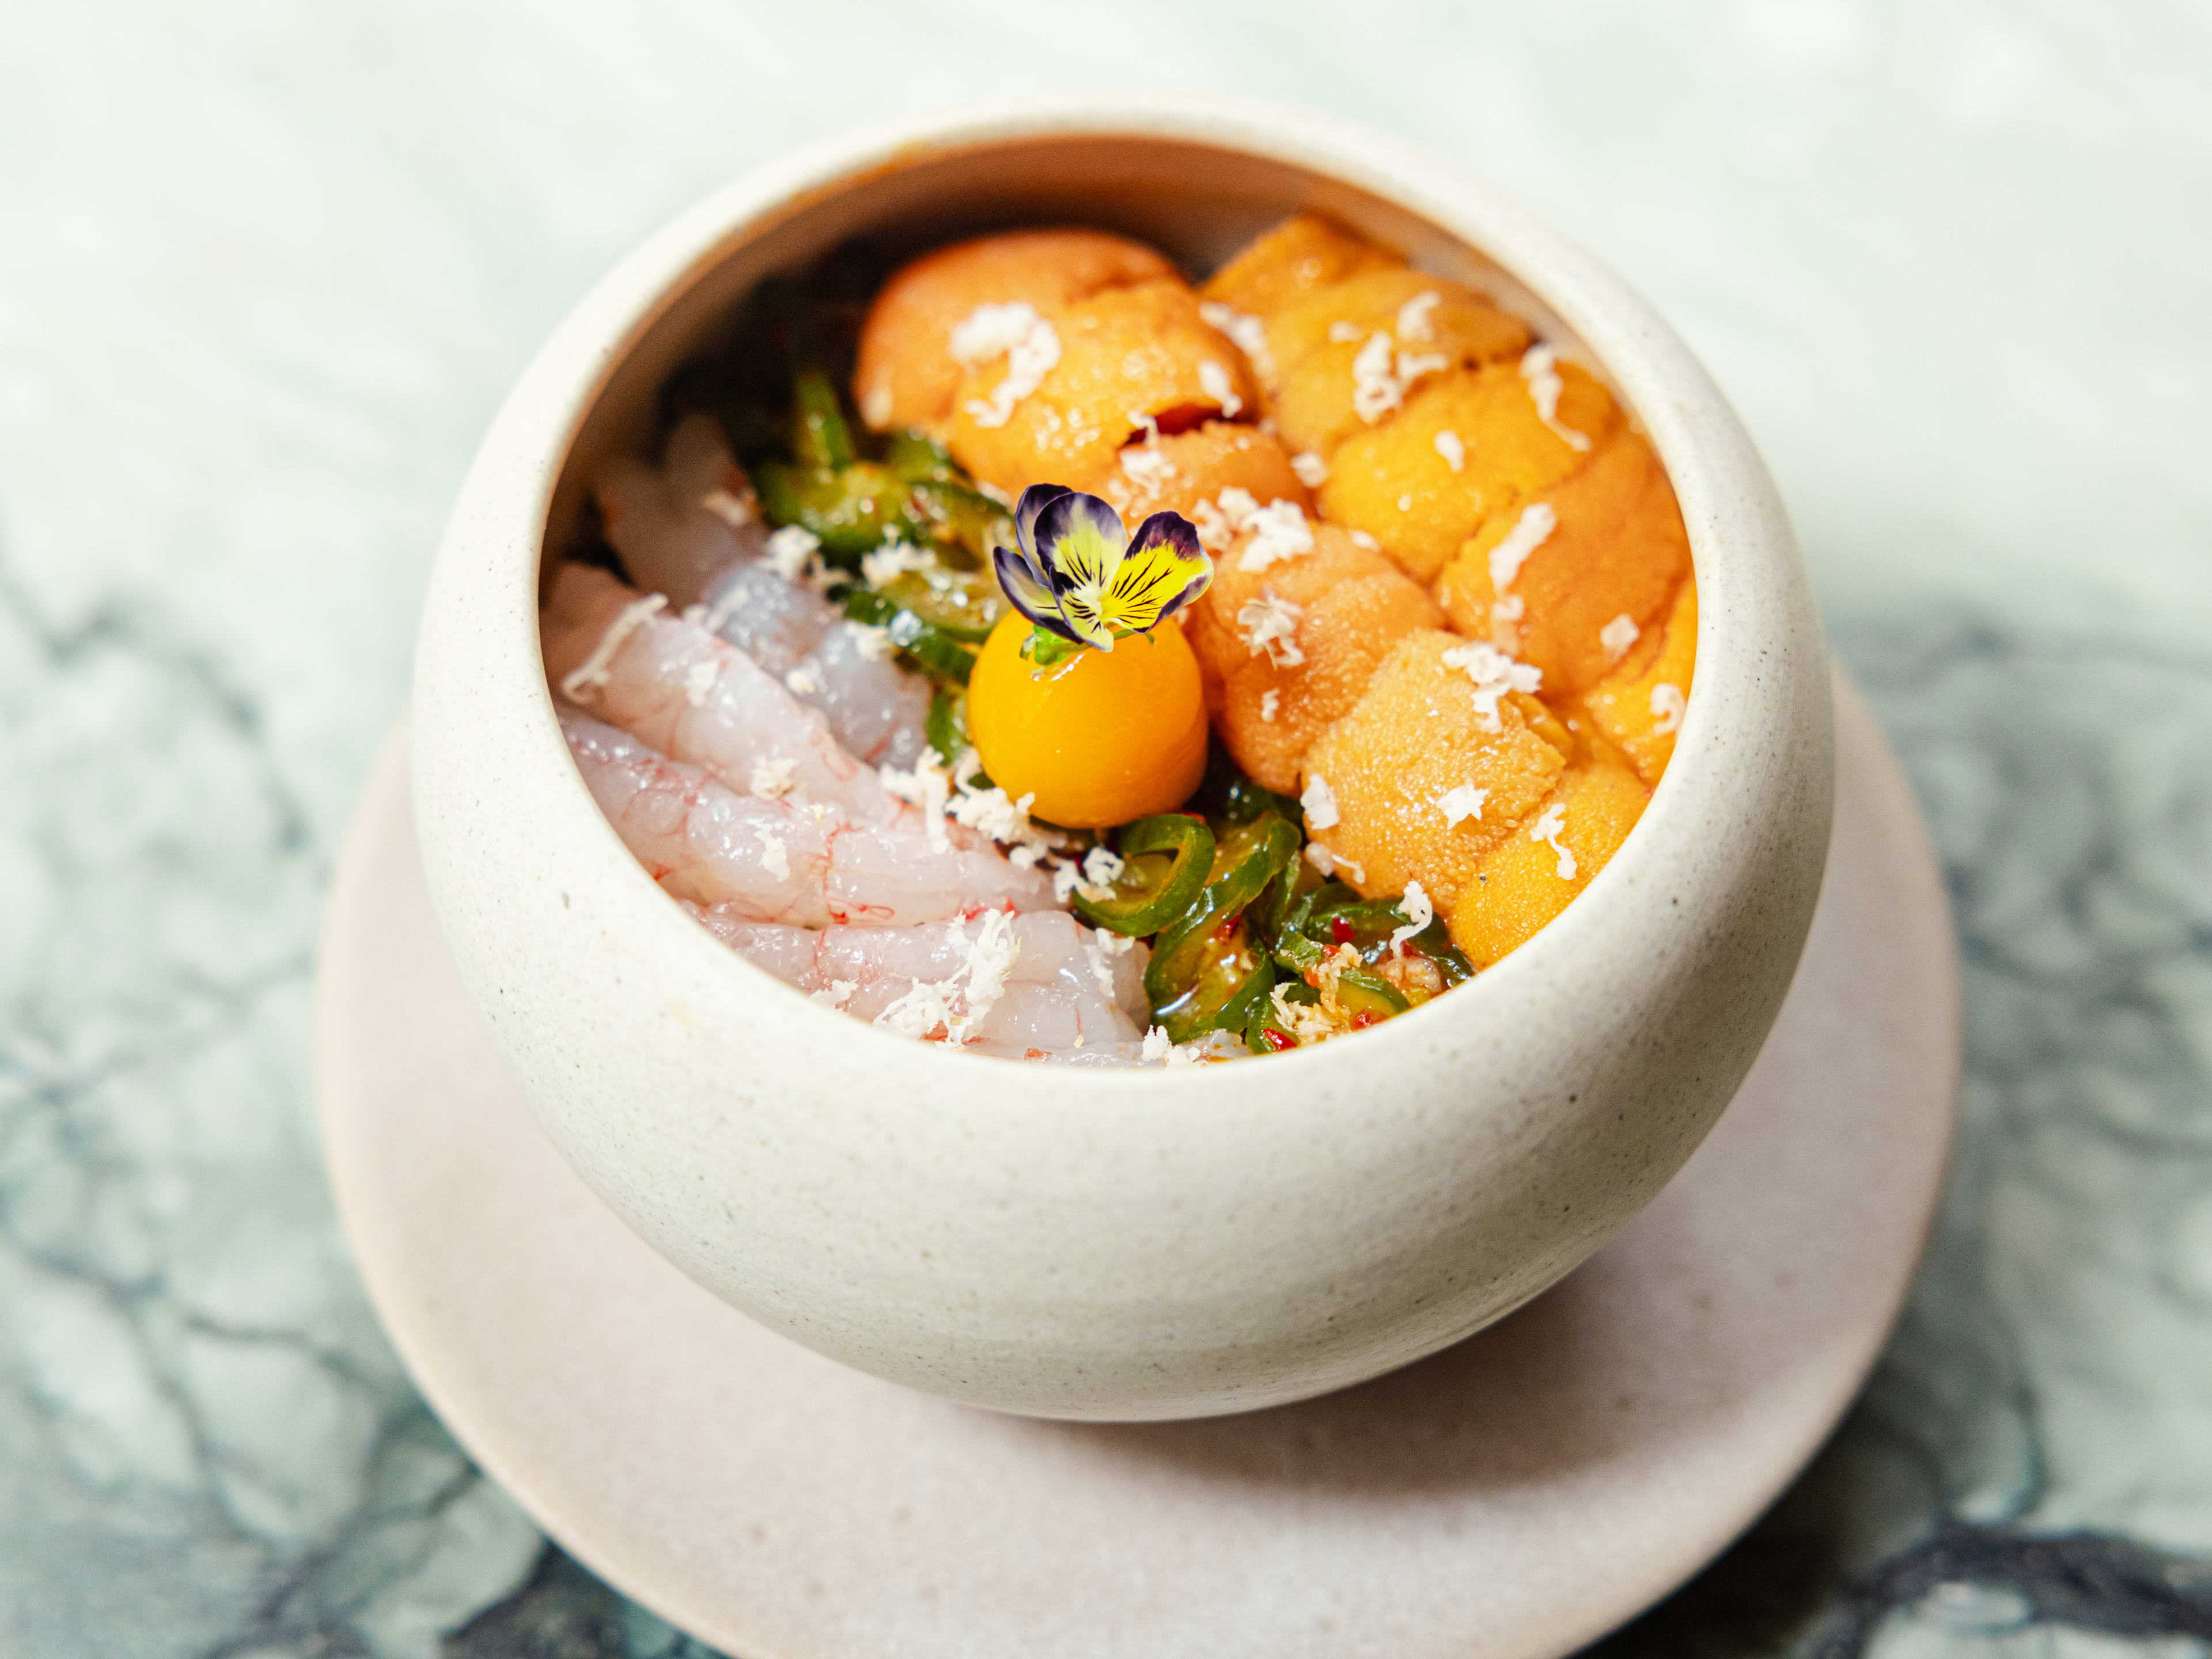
x=1080, y=574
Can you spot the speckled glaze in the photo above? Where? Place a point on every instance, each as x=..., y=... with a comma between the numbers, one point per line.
x=1133, y=1245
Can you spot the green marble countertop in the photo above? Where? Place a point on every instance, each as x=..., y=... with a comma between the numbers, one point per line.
x=265, y=272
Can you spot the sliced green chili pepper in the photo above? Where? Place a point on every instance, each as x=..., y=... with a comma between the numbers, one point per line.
x=1166, y=861
x=1226, y=793
x=918, y=458
x=947, y=728
x=850, y=510
x=1368, y=924
x=938, y=653
x=951, y=513
x=965, y=604
x=1368, y=996
x=1228, y=991
x=819, y=436
x=1245, y=858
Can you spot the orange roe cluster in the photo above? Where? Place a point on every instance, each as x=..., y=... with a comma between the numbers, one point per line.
x=1452, y=607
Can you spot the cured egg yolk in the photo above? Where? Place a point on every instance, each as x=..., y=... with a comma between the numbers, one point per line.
x=1100, y=738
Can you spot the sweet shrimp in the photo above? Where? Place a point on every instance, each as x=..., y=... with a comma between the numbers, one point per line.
x=692, y=531
x=785, y=859
x=1034, y=986
x=694, y=698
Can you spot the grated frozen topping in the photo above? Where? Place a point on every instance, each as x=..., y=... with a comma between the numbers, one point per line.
x=1461, y=802
x=1246, y=332
x=1547, y=828
x=1539, y=367
x=1269, y=626
x=1495, y=675
x=1452, y=449
x=1668, y=704
x=1319, y=801
x=1617, y=635
x=1530, y=531
x=1030, y=345
x=1419, y=913
x=1214, y=380
x=1414, y=322
x=582, y=682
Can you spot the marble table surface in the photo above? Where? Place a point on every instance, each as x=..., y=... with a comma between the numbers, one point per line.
x=265, y=272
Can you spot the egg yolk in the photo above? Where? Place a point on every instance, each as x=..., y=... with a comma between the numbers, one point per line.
x=1100, y=737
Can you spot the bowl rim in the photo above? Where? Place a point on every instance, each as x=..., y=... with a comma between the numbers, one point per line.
x=1715, y=470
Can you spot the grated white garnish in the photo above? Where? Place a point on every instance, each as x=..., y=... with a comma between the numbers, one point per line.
x=1668, y=704
x=1494, y=674
x=1419, y=913
x=581, y=681
x=1101, y=957
x=876, y=642
x=893, y=559
x=698, y=680
x=1461, y=802
x=1549, y=825
x=1147, y=469
x=733, y=509
x=1539, y=367
x=1617, y=635
x=1269, y=626
x=1536, y=523
x=1303, y=1020
x=1330, y=863
x=1102, y=868
x=771, y=777
x=791, y=554
x=1214, y=380
x=1311, y=468
x=987, y=963
x=1375, y=390
x=775, y=858
x=838, y=993
x=1505, y=616
x=1249, y=333
x=1157, y=1044
x=1405, y=503
x=1361, y=538
x=1030, y=345
x=1279, y=530
x=1343, y=333
x=1319, y=801
x=990, y=958
x=1414, y=322
x=876, y=403
x=805, y=680
x=1270, y=701
x=994, y=811
x=926, y=1005
x=928, y=786
x=1454, y=452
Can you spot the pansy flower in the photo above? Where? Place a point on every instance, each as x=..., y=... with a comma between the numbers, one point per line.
x=1079, y=574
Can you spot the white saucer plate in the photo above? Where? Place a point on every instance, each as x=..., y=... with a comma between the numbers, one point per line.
x=1511, y=1498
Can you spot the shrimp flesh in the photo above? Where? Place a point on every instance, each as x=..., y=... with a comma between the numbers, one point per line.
x=692, y=531
x=784, y=860
x=1034, y=986
x=677, y=688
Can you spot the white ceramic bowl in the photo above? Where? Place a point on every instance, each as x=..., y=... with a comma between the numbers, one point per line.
x=1118, y=1245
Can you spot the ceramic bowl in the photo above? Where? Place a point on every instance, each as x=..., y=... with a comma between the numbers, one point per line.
x=1099, y=1244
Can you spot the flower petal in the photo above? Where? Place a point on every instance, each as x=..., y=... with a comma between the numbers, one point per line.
x=1029, y=593
x=1034, y=501
x=1079, y=540
x=1164, y=569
